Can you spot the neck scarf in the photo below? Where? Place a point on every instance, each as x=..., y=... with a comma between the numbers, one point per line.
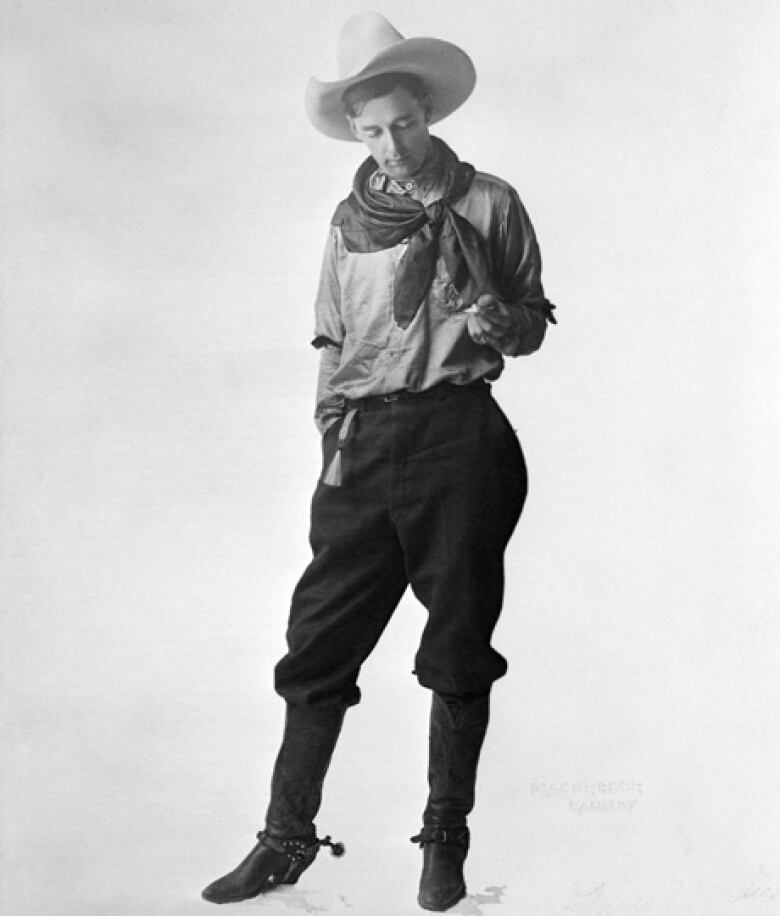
x=372, y=220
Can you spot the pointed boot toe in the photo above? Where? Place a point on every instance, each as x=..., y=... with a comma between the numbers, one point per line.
x=270, y=863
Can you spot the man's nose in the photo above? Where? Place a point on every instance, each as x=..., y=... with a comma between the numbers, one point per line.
x=394, y=148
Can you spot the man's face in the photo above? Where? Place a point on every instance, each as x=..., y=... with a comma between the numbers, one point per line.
x=394, y=127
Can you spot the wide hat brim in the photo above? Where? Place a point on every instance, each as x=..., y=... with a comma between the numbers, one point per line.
x=446, y=70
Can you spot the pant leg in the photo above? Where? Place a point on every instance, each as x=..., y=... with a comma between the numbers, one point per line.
x=353, y=584
x=461, y=494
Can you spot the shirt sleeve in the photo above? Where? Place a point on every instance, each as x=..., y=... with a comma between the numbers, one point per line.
x=328, y=335
x=328, y=326
x=519, y=267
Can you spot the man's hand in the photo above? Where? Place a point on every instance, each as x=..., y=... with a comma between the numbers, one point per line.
x=489, y=321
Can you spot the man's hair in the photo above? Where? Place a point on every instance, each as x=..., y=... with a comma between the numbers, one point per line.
x=377, y=86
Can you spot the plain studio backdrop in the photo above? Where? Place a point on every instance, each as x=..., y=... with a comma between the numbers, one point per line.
x=165, y=205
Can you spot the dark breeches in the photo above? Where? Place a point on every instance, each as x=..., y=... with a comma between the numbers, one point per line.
x=432, y=490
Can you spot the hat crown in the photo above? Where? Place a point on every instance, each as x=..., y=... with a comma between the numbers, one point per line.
x=368, y=45
x=361, y=38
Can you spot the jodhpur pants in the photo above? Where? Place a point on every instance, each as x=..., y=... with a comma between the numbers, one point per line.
x=432, y=488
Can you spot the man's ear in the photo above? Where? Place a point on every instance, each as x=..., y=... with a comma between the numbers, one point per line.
x=427, y=104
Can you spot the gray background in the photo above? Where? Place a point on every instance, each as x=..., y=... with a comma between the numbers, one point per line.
x=165, y=207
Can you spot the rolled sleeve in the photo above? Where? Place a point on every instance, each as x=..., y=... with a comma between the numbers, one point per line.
x=328, y=324
x=328, y=336
x=519, y=264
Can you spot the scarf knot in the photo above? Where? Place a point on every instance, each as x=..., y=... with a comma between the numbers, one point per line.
x=436, y=214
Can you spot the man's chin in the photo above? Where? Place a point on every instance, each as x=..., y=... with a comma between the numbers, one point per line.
x=402, y=170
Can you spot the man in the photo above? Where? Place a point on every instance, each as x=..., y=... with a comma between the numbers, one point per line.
x=431, y=276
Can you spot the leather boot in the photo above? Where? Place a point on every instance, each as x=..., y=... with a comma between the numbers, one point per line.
x=270, y=863
x=289, y=844
x=457, y=730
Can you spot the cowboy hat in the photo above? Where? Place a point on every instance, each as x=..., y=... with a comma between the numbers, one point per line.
x=367, y=46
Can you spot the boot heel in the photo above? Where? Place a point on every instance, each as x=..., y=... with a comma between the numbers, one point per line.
x=293, y=876
x=292, y=872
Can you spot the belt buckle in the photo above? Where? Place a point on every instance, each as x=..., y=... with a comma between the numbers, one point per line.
x=389, y=398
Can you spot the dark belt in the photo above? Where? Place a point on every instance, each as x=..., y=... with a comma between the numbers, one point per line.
x=436, y=392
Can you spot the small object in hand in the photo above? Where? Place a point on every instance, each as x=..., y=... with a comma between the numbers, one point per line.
x=485, y=304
